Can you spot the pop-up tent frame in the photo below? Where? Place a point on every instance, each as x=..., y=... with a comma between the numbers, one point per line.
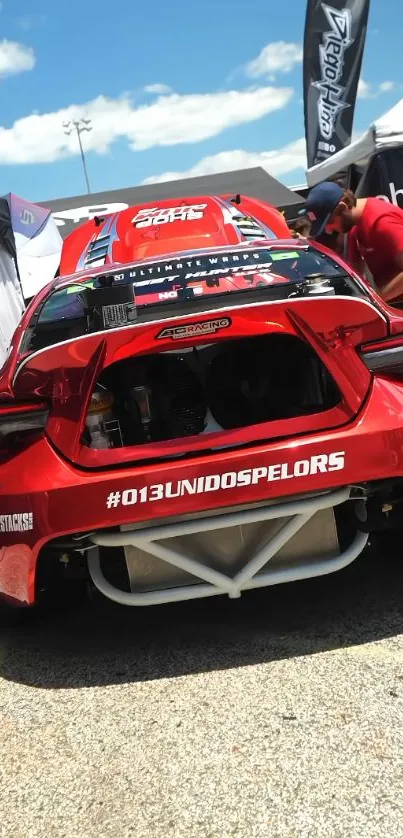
x=373, y=164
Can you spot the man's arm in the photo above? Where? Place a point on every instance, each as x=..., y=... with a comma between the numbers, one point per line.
x=389, y=239
x=353, y=255
x=394, y=288
x=357, y=265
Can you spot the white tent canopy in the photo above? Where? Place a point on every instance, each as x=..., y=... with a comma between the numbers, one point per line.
x=30, y=250
x=383, y=133
x=11, y=302
x=37, y=243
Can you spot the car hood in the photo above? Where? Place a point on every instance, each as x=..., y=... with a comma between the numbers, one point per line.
x=150, y=231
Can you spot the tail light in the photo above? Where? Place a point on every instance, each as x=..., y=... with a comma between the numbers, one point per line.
x=17, y=420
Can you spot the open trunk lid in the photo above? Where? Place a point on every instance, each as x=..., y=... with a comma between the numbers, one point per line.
x=221, y=378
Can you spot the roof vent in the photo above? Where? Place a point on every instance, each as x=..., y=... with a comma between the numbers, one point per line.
x=250, y=229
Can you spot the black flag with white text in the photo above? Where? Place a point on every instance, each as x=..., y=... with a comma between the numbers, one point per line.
x=333, y=49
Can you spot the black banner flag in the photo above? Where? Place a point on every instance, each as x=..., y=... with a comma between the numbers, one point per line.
x=333, y=49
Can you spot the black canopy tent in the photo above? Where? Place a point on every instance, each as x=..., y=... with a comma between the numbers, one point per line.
x=255, y=183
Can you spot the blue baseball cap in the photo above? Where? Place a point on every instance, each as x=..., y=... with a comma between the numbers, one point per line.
x=320, y=203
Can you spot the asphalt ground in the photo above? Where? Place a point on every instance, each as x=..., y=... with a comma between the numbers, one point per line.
x=276, y=716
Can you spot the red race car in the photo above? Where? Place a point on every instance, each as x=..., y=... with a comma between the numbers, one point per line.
x=197, y=405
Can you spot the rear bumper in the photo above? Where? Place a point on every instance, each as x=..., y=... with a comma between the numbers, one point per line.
x=43, y=497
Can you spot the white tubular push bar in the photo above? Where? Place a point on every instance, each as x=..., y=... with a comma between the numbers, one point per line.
x=215, y=582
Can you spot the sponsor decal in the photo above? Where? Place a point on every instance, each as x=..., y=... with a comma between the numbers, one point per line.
x=245, y=263
x=244, y=270
x=288, y=254
x=27, y=217
x=174, y=294
x=77, y=214
x=167, y=215
x=317, y=464
x=176, y=272
x=192, y=330
x=168, y=295
x=332, y=52
x=18, y=522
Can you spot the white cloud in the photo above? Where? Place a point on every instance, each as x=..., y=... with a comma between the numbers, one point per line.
x=192, y=118
x=364, y=90
x=28, y=22
x=386, y=86
x=277, y=162
x=277, y=57
x=158, y=89
x=170, y=120
x=15, y=58
x=372, y=91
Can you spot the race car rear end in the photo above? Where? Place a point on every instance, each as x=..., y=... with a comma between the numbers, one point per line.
x=169, y=444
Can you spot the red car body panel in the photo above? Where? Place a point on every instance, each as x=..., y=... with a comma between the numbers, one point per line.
x=167, y=227
x=53, y=485
x=66, y=373
x=66, y=499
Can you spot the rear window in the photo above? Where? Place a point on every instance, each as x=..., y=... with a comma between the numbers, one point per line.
x=212, y=273
x=271, y=273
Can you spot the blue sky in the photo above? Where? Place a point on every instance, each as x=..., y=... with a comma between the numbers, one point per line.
x=229, y=89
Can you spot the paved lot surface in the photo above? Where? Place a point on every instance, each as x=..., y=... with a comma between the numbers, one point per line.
x=279, y=715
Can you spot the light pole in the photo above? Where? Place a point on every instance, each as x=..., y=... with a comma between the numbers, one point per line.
x=79, y=126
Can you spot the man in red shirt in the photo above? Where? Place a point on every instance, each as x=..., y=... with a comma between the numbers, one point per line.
x=375, y=230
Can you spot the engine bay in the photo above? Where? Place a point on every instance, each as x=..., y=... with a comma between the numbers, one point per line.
x=206, y=388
